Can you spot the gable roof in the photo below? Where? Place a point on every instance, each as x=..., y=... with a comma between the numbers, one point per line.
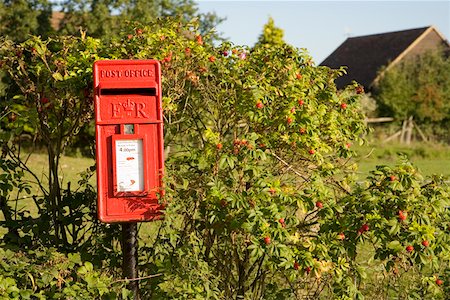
x=365, y=55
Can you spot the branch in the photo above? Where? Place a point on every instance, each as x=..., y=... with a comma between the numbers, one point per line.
x=136, y=279
x=289, y=166
x=341, y=187
x=25, y=167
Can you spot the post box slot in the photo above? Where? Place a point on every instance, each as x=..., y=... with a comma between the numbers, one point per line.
x=125, y=91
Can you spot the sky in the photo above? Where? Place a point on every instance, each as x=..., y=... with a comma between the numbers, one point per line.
x=321, y=26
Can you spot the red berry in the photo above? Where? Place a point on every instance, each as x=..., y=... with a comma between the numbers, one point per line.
x=272, y=191
x=439, y=281
x=348, y=145
x=12, y=117
x=130, y=36
x=259, y=105
x=363, y=228
x=341, y=236
x=199, y=39
x=301, y=102
x=168, y=58
x=187, y=51
x=319, y=204
x=425, y=243
x=281, y=220
x=359, y=89
x=219, y=146
x=299, y=76
x=312, y=151
x=302, y=130
x=296, y=265
x=139, y=31
x=308, y=270
x=212, y=58
x=392, y=178
x=225, y=53
x=409, y=248
x=343, y=105
x=44, y=100
x=289, y=120
x=267, y=240
x=293, y=110
x=402, y=215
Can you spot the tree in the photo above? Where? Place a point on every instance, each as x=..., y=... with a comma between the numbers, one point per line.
x=20, y=18
x=106, y=18
x=271, y=36
x=419, y=87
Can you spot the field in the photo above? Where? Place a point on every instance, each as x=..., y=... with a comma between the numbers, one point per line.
x=430, y=159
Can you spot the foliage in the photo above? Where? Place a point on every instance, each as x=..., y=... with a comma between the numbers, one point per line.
x=47, y=274
x=419, y=87
x=21, y=18
x=369, y=105
x=271, y=36
x=54, y=103
x=260, y=197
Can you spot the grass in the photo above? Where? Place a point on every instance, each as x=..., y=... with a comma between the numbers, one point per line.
x=70, y=169
x=430, y=159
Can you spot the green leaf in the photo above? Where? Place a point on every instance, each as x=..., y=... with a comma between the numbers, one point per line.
x=57, y=76
x=395, y=246
x=75, y=258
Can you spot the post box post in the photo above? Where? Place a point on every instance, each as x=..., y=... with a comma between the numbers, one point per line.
x=130, y=256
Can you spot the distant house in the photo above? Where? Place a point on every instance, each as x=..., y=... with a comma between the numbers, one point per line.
x=365, y=56
x=56, y=20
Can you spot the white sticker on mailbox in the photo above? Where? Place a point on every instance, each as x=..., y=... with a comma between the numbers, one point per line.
x=129, y=166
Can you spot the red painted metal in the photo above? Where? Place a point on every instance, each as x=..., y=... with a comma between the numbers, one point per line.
x=129, y=139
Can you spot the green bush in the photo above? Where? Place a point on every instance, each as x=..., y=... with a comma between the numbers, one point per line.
x=48, y=274
x=261, y=199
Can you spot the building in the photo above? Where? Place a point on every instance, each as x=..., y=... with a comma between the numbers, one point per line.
x=366, y=56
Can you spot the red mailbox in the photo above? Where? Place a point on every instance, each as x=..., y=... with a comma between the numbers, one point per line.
x=129, y=139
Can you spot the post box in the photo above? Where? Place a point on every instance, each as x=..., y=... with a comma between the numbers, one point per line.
x=129, y=139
